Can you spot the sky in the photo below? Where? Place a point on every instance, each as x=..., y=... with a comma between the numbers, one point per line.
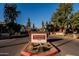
x=37, y=12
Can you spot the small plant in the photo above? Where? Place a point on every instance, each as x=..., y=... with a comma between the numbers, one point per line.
x=39, y=47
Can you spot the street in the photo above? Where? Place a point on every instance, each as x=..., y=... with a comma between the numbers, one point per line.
x=67, y=47
x=12, y=47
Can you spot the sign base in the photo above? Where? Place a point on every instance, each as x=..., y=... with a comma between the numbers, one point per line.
x=39, y=50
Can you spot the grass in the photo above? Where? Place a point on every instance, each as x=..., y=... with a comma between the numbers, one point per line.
x=71, y=36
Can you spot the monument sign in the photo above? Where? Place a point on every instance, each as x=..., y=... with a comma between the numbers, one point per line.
x=38, y=37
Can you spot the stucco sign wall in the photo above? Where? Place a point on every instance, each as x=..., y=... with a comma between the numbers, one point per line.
x=38, y=37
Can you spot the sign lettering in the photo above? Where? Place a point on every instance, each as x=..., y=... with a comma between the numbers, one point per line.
x=38, y=37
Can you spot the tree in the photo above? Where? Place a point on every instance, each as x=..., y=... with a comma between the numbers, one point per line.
x=10, y=15
x=60, y=17
x=10, y=12
x=33, y=26
x=43, y=27
x=28, y=26
x=75, y=22
x=46, y=23
x=42, y=24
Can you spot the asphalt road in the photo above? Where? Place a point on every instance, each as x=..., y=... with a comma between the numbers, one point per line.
x=67, y=47
x=13, y=46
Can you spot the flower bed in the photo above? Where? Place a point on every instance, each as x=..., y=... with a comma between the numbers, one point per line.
x=36, y=49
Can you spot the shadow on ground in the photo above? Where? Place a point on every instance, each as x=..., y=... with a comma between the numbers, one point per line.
x=64, y=43
x=11, y=37
x=12, y=45
x=56, y=48
x=53, y=39
x=57, y=39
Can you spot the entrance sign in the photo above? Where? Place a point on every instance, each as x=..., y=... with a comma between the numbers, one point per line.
x=38, y=37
